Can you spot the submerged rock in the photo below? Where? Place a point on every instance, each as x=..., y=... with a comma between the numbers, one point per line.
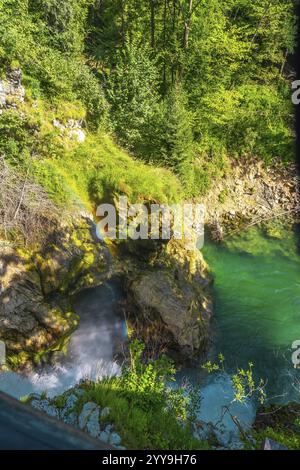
x=204, y=432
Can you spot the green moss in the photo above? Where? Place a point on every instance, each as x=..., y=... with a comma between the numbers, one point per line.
x=284, y=436
x=60, y=345
x=19, y=360
x=223, y=196
x=60, y=401
x=140, y=428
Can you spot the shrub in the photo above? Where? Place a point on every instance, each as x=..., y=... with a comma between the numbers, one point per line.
x=145, y=410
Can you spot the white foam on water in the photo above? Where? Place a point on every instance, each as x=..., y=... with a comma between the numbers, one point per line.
x=90, y=352
x=55, y=380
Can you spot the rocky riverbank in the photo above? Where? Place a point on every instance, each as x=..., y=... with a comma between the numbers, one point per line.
x=168, y=302
x=166, y=286
x=36, y=312
x=88, y=416
x=165, y=291
x=251, y=193
x=277, y=427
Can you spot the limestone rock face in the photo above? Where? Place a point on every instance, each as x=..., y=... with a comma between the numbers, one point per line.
x=11, y=90
x=73, y=260
x=172, y=290
x=250, y=193
x=31, y=321
x=28, y=323
x=71, y=129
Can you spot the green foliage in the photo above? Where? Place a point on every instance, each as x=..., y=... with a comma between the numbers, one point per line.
x=15, y=137
x=243, y=382
x=245, y=386
x=178, y=136
x=47, y=40
x=282, y=435
x=132, y=92
x=145, y=410
x=97, y=171
x=233, y=65
x=183, y=89
x=148, y=381
x=250, y=120
x=65, y=21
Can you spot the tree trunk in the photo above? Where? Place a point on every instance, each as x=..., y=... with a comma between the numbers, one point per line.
x=123, y=22
x=187, y=23
x=165, y=44
x=152, y=8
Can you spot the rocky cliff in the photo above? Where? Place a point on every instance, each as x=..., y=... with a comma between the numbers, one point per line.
x=168, y=300
x=36, y=285
x=251, y=193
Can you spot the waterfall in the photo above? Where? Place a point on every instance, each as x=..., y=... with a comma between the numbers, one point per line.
x=90, y=352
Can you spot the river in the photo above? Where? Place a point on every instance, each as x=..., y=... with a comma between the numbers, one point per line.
x=257, y=318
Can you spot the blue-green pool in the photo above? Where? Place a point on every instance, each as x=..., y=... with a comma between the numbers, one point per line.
x=257, y=305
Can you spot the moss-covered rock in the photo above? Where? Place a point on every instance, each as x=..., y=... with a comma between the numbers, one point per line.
x=29, y=324
x=168, y=300
x=36, y=316
x=73, y=260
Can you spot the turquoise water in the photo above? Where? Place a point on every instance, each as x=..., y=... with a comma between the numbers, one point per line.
x=256, y=292
x=257, y=306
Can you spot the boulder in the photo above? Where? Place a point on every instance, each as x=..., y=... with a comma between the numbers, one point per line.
x=115, y=439
x=86, y=411
x=93, y=426
x=71, y=419
x=69, y=406
x=104, y=437
x=29, y=324
x=171, y=292
x=46, y=407
x=72, y=129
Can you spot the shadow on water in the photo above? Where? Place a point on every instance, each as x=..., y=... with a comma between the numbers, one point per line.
x=297, y=236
